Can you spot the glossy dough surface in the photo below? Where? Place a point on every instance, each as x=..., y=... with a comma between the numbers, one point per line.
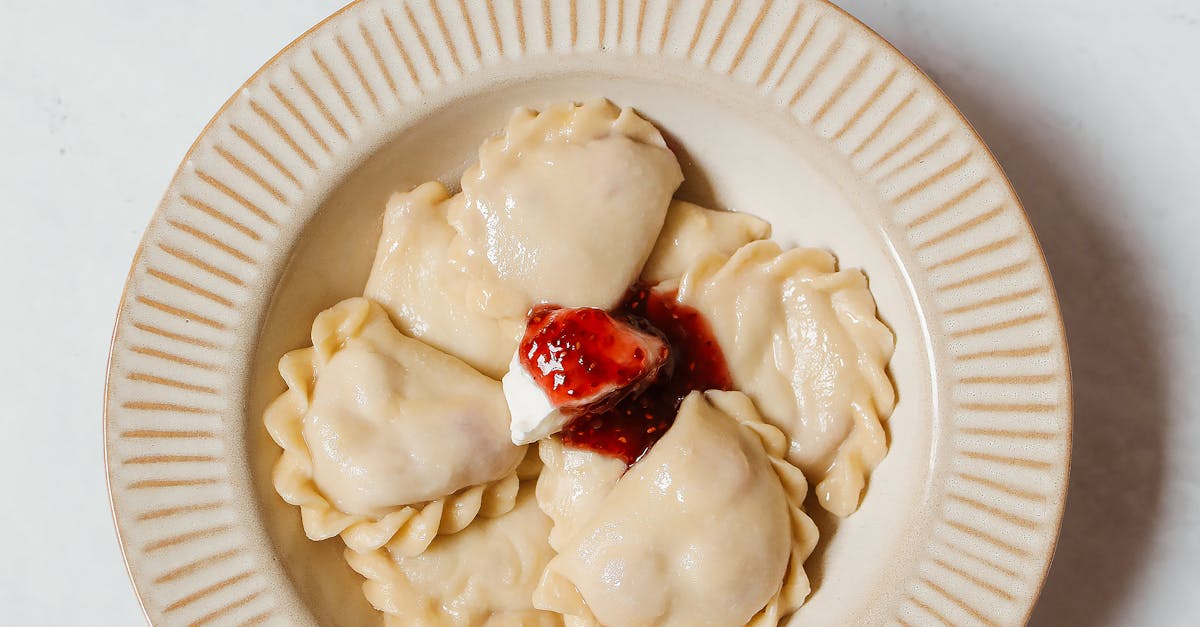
x=483, y=575
x=573, y=485
x=566, y=205
x=396, y=432
x=802, y=340
x=431, y=297
x=386, y=436
x=706, y=529
x=691, y=232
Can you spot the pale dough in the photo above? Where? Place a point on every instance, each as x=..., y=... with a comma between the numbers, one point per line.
x=572, y=485
x=386, y=436
x=706, y=529
x=395, y=429
x=483, y=575
x=801, y=338
x=429, y=295
x=692, y=232
x=566, y=205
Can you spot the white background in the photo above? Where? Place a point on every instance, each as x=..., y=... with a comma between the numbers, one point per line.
x=1092, y=106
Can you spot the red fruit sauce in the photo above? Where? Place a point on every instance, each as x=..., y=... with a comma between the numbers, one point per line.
x=585, y=359
x=628, y=428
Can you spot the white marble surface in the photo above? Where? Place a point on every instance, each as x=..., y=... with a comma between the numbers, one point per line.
x=1093, y=107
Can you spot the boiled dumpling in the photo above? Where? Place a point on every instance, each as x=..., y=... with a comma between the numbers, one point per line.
x=483, y=575
x=387, y=440
x=573, y=483
x=566, y=205
x=705, y=529
x=393, y=421
x=434, y=299
x=802, y=340
x=691, y=232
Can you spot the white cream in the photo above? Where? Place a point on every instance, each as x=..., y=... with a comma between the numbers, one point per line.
x=533, y=416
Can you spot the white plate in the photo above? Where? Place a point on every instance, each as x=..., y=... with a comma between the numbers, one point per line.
x=790, y=110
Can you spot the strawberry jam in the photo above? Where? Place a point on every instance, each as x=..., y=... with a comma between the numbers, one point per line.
x=628, y=428
x=586, y=360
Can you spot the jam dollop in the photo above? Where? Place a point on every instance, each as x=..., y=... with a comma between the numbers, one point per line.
x=628, y=428
x=586, y=359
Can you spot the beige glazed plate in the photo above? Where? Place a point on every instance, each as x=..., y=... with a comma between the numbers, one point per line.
x=787, y=109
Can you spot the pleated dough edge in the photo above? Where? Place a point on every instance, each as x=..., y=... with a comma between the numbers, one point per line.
x=407, y=530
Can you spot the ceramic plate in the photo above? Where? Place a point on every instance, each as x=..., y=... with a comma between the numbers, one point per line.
x=787, y=109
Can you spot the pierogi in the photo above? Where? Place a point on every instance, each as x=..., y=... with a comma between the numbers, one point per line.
x=802, y=340
x=430, y=296
x=566, y=205
x=706, y=529
x=483, y=575
x=572, y=485
x=692, y=232
x=387, y=440
x=687, y=379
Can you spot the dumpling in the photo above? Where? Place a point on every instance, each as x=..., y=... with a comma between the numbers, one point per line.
x=706, y=529
x=691, y=232
x=566, y=205
x=801, y=338
x=385, y=439
x=483, y=575
x=434, y=299
x=573, y=483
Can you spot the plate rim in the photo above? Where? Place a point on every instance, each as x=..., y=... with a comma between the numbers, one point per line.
x=944, y=103
x=159, y=210
x=1027, y=225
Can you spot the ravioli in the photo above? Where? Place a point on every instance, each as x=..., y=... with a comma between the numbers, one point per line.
x=387, y=440
x=431, y=297
x=566, y=205
x=483, y=575
x=706, y=529
x=802, y=339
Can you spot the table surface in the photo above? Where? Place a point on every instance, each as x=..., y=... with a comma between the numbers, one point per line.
x=1092, y=107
